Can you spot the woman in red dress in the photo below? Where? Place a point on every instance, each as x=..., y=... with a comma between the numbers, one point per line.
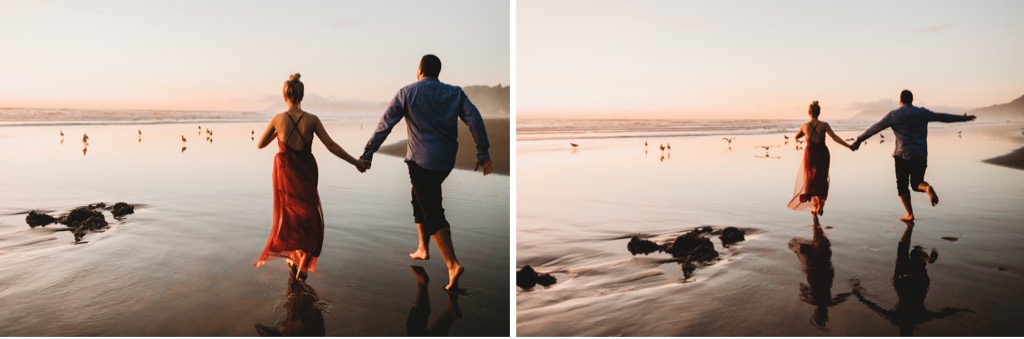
x=298, y=230
x=812, y=178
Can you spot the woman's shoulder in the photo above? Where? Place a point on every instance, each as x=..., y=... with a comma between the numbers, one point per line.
x=310, y=116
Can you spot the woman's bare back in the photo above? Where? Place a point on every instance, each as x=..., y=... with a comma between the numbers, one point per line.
x=296, y=129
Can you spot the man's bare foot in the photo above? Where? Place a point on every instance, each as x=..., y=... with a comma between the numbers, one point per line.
x=933, y=195
x=453, y=277
x=908, y=217
x=420, y=254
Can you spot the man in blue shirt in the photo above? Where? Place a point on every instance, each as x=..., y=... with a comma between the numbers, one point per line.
x=910, y=125
x=432, y=110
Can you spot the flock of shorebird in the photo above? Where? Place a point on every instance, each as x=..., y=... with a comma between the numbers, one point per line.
x=184, y=141
x=767, y=148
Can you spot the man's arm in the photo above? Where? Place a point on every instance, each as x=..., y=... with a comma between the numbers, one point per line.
x=394, y=113
x=946, y=117
x=886, y=122
x=471, y=117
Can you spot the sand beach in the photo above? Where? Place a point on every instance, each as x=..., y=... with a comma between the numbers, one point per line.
x=578, y=207
x=182, y=264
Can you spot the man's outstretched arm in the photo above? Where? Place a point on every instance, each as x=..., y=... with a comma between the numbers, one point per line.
x=946, y=117
x=886, y=122
x=394, y=113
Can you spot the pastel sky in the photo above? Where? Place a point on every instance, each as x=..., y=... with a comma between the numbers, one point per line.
x=686, y=59
x=235, y=55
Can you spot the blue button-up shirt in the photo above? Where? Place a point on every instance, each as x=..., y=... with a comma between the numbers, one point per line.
x=432, y=110
x=910, y=125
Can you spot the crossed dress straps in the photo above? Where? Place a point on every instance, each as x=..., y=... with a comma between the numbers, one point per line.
x=295, y=128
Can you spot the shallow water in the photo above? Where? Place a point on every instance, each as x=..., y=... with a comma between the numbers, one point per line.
x=182, y=264
x=577, y=208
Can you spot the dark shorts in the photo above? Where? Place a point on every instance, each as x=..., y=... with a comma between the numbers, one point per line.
x=909, y=173
x=426, y=197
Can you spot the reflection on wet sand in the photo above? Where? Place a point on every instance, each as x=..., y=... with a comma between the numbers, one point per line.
x=303, y=316
x=416, y=323
x=816, y=261
x=911, y=282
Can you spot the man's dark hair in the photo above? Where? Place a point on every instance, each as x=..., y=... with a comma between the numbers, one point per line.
x=906, y=97
x=430, y=65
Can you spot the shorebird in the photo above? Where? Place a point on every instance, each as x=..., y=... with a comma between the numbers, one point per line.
x=668, y=146
x=574, y=144
x=62, y=134
x=645, y=143
x=183, y=139
x=662, y=147
x=85, y=138
x=851, y=139
x=766, y=148
x=785, y=136
x=881, y=136
x=959, y=134
x=140, y=133
x=729, y=140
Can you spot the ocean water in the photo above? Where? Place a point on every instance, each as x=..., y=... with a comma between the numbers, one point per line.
x=182, y=264
x=577, y=208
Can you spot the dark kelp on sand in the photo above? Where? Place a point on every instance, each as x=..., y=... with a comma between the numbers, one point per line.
x=689, y=248
x=81, y=220
x=527, y=278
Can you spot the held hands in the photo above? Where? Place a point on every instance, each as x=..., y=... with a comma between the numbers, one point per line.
x=486, y=164
x=362, y=165
x=855, y=146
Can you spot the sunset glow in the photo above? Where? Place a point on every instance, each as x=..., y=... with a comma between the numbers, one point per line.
x=234, y=55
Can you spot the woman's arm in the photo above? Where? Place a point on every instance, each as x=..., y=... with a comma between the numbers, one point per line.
x=269, y=134
x=332, y=146
x=828, y=129
x=800, y=133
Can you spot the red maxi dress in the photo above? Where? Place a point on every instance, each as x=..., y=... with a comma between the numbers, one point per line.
x=298, y=216
x=812, y=177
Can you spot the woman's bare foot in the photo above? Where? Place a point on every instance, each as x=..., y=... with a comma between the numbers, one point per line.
x=933, y=195
x=908, y=217
x=453, y=277
x=300, y=274
x=420, y=254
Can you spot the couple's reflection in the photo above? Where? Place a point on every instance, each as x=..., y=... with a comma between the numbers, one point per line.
x=816, y=261
x=416, y=323
x=911, y=282
x=303, y=316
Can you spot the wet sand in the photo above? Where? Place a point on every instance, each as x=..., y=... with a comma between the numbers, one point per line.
x=577, y=209
x=497, y=134
x=182, y=264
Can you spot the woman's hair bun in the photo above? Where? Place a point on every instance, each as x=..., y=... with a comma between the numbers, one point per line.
x=815, y=102
x=294, y=77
